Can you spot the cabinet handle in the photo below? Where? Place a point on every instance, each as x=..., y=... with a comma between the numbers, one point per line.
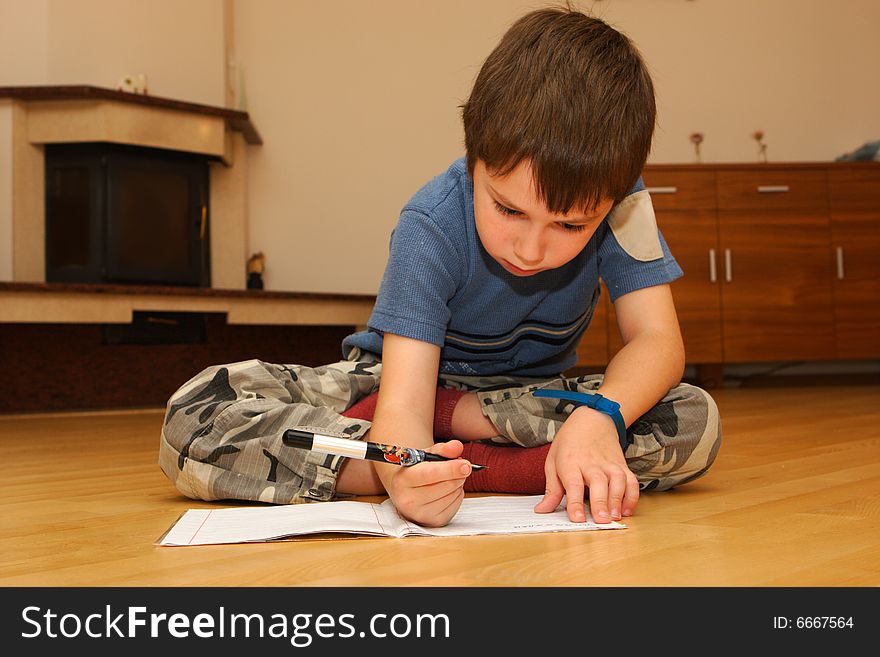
x=728, y=266
x=772, y=189
x=662, y=190
x=840, y=272
x=203, y=222
x=713, y=273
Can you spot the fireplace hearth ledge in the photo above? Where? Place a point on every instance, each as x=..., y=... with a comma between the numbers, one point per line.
x=79, y=303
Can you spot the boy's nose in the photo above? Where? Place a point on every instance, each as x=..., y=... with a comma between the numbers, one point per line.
x=530, y=249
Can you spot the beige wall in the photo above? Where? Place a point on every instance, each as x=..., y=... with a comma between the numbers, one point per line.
x=357, y=101
x=177, y=44
x=800, y=70
x=24, y=42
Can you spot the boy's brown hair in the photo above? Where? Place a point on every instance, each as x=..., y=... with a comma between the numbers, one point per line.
x=571, y=95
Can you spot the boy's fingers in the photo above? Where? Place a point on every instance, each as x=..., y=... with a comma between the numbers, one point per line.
x=598, y=484
x=631, y=498
x=427, y=474
x=616, y=492
x=574, y=494
x=441, y=511
x=441, y=489
x=552, y=493
x=449, y=503
x=451, y=449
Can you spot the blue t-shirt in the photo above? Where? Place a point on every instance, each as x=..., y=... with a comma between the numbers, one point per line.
x=442, y=287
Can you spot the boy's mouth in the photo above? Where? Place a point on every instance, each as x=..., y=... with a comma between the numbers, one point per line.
x=516, y=271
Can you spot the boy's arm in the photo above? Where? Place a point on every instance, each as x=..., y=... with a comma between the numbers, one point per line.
x=429, y=493
x=586, y=452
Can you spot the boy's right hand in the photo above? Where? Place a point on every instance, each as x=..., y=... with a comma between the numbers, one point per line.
x=431, y=492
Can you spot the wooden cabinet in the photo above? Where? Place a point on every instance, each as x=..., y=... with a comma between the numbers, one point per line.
x=684, y=202
x=854, y=197
x=781, y=260
x=593, y=348
x=774, y=236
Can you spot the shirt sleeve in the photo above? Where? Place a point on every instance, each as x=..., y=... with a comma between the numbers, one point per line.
x=419, y=280
x=633, y=254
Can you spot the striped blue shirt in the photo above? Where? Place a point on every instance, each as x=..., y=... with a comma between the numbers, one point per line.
x=441, y=286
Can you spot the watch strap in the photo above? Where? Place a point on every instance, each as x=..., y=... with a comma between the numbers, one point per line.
x=596, y=402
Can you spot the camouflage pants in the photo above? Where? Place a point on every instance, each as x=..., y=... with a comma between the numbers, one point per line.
x=221, y=437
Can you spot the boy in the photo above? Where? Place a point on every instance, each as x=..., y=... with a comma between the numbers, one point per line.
x=492, y=278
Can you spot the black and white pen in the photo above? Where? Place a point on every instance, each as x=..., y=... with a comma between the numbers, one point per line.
x=360, y=449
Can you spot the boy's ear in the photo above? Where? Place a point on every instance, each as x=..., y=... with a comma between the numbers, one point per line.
x=635, y=227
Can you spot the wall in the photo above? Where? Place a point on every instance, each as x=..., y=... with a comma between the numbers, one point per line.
x=24, y=42
x=796, y=69
x=178, y=45
x=358, y=104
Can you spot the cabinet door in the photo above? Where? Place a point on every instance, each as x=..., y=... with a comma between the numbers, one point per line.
x=776, y=291
x=692, y=237
x=855, y=239
x=684, y=202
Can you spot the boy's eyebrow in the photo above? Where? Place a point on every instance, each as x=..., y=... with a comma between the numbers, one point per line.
x=500, y=197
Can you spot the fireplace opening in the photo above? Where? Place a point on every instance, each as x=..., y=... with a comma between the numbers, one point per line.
x=126, y=214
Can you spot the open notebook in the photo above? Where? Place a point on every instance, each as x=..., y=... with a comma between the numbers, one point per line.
x=477, y=515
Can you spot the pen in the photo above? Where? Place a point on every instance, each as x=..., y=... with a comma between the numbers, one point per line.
x=360, y=449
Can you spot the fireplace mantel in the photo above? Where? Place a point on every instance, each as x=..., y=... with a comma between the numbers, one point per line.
x=33, y=117
x=78, y=94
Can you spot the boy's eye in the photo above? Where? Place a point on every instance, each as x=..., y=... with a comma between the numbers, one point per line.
x=503, y=209
x=510, y=212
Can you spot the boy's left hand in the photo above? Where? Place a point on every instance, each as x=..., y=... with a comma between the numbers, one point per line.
x=586, y=454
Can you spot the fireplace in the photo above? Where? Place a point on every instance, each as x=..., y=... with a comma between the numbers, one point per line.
x=208, y=249
x=127, y=214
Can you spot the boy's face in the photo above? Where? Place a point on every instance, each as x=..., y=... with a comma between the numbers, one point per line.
x=518, y=231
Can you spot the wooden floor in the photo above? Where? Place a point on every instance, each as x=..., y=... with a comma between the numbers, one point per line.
x=793, y=500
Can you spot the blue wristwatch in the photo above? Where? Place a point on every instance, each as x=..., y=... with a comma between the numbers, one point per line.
x=595, y=401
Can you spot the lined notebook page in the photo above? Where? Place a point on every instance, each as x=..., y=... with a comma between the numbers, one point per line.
x=477, y=515
x=248, y=524
x=510, y=515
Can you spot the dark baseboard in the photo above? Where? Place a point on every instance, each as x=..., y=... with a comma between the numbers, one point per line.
x=74, y=367
x=809, y=380
x=711, y=376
